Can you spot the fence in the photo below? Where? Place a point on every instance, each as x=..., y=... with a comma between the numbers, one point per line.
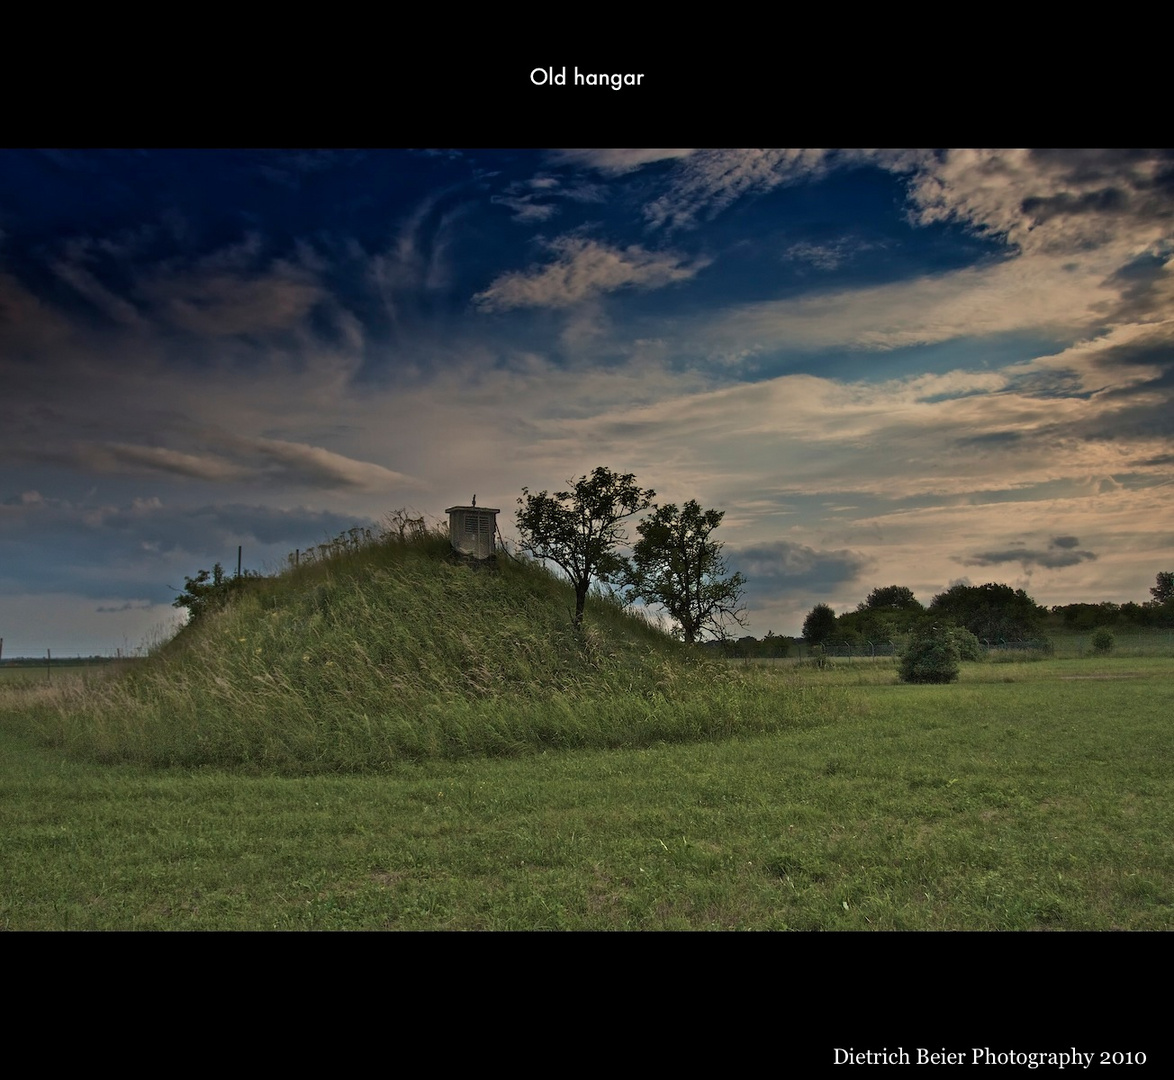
x=891, y=648
x=867, y=648
x=1041, y=645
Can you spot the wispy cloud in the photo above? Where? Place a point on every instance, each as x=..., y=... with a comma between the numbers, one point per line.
x=583, y=269
x=708, y=181
x=617, y=161
x=827, y=256
x=119, y=457
x=317, y=467
x=1008, y=296
x=532, y=199
x=248, y=459
x=70, y=267
x=227, y=304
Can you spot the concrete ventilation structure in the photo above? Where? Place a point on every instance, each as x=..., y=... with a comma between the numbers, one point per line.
x=472, y=530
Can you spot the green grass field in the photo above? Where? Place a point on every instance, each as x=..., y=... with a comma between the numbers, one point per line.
x=1027, y=796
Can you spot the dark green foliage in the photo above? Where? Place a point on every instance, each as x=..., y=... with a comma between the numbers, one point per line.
x=969, y=647
x=887, y=613
x=857, y=627
x=1086, y=616
x=209, y=591
x=1157, y=612
x=932, y=656
x=991, y=612
x=579, y=530
x=891, y=598
x=1102, y=641
x=819, y=625
x=677, y=565
x=773, y=645
x=1161, y=608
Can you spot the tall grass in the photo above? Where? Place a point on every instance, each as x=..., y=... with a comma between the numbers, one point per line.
x=394, y=652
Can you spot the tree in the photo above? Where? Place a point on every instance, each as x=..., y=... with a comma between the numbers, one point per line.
x=819, y=625
x=989, y=611
x=676, y=564
x=884, y=614
x=891, y=598
x=1163, y=591
x=579, y=530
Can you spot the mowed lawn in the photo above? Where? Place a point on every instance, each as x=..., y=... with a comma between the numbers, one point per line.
x=1027, y=796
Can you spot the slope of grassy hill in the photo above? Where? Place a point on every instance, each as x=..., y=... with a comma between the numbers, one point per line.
x=394, y=652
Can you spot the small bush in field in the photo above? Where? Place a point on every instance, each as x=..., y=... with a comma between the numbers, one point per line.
x=969, y=647
x=931, y=657
x=1102, y=641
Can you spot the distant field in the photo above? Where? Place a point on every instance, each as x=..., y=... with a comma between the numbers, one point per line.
x=1138, y=643
x=1028, y=796
x=39, y=672
x=1127, y=642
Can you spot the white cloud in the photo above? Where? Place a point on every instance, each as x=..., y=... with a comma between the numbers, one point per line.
x=1013, y=295
x=1049, y=201
x=617, y=161
x=525, y=208
x=322, y=468
x=530, y=199
x=707, y=181
x=584, y=269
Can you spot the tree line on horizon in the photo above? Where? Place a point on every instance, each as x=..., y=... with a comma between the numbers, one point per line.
x=991, y=612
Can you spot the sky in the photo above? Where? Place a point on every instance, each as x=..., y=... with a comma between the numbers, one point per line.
x=887, y=367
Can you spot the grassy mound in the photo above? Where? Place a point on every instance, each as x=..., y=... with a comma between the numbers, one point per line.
x=394, y=652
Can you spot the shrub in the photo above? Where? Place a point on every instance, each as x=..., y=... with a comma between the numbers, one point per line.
x=932, y=656
x=969, y=647
x=208, y=592
x=1102, y=641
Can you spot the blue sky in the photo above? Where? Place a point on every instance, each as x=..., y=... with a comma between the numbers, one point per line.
x=887, y=367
